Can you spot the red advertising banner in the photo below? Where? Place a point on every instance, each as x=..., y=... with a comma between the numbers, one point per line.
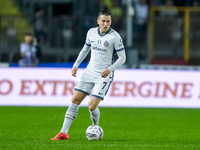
x=130, y=88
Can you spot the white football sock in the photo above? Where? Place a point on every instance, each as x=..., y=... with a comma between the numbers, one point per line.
x=95, y=114
x=70, y=115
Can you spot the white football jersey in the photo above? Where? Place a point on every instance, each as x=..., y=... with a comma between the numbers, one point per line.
x=103, y=48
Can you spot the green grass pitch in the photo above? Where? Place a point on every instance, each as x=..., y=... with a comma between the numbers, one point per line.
x=31, y=128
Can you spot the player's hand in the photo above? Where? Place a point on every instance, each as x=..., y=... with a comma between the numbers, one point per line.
x=105, y=73
x=74, y=71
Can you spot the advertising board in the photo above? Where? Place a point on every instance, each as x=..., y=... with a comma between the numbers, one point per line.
x=130, y=88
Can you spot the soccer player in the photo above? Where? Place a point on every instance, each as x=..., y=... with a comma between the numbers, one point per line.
x=103, y=42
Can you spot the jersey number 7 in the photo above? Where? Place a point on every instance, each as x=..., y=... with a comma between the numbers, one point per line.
x=104, y=85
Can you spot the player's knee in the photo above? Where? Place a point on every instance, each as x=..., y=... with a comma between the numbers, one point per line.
x=76, y=100
x=92, y=107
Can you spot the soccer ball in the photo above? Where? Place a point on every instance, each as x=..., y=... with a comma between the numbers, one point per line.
x=94, y=133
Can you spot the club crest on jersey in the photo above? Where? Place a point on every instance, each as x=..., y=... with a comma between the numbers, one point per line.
x=106, y=43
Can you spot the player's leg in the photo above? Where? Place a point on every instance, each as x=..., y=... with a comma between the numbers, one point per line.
x=70, y=115
x=81, y=90
x=99, y=91
x=72, y=111
x=94, y=110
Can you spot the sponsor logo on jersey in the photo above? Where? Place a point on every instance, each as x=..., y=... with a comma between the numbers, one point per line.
x=106, y=43
x=99, y=41
x=99, y=49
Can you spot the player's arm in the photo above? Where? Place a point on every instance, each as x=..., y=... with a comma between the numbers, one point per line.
x=83, y=53
x=119, y=48
x=105, y=73
x=74, y=71
x=121, y=59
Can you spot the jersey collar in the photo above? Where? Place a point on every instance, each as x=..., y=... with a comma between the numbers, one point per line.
x=104, y=33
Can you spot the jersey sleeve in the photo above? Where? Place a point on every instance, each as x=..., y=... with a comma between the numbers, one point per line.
x=118, y=43
x=84, y=51
x=119, y=48
x=87, y=41
x=121, y=59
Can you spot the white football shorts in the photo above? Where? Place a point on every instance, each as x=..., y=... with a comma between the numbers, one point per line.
x=98, y=86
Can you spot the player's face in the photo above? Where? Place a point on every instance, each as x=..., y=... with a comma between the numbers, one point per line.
x=104, y=23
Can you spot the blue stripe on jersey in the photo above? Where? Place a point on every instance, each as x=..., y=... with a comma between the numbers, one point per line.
x=88, y=44
x=113, y=55
x=120, y=49
x=104, y=33
x=110, y=82
x=114, y=52
x=81, y=91
x=101, y=98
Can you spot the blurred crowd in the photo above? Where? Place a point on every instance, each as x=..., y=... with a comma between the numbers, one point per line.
x=87, y=18
x=68, y=31
x=169, y=2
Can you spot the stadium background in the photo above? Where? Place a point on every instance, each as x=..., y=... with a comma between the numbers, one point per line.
x=158, y=35
x=169, y=34
x=161, y=74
